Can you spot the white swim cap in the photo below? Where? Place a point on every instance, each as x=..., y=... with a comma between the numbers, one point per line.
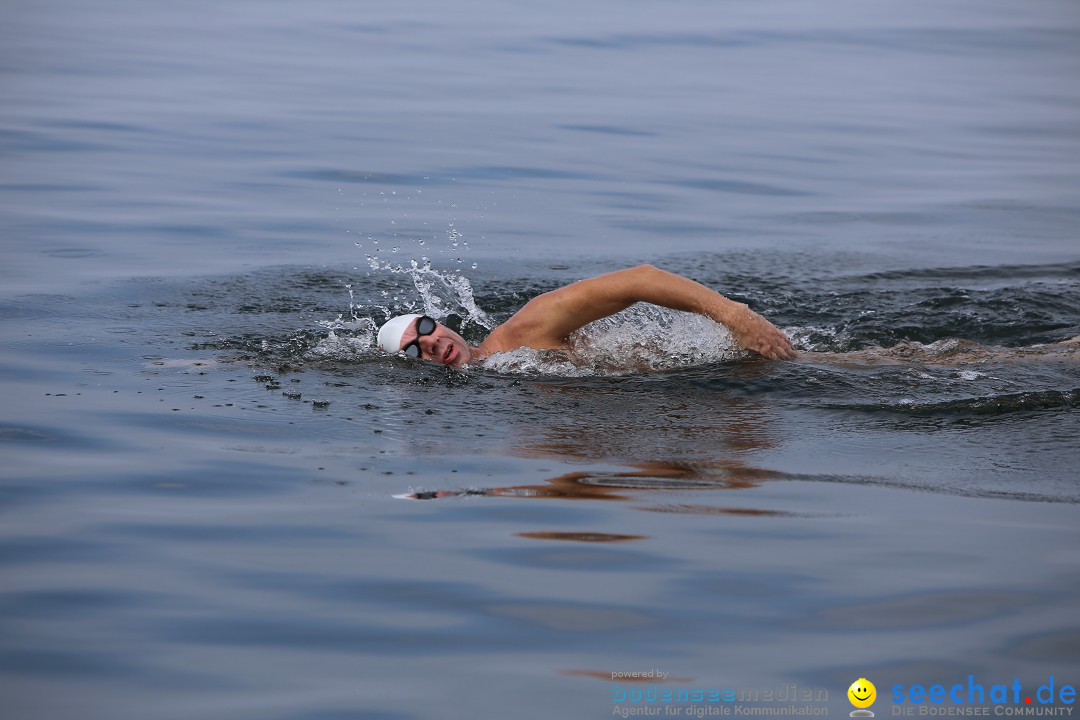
x=392, y=330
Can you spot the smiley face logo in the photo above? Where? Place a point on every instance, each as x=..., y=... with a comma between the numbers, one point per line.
x=862, y=693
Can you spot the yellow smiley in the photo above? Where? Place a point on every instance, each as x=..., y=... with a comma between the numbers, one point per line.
x=862, y=693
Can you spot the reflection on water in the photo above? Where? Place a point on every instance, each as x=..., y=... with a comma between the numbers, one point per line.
x=714, y=510
x=610, y=486
x=581, y=537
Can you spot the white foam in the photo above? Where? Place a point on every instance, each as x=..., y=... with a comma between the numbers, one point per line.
x=337, y=347
x=643, y=338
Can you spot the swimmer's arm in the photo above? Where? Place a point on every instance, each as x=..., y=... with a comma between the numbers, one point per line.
x=547, y=320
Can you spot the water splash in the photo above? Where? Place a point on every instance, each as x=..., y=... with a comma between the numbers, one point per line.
x=345, y=347
x=439, y=294
x=526, y=361
x=360, y=333
x=643, y=338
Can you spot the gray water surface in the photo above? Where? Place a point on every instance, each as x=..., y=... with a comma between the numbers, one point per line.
x=218, y=501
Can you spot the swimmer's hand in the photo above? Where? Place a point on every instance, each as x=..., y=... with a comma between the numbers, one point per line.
x=755, y=333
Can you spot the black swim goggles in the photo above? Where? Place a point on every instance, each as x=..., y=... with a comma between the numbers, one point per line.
x=424, y=326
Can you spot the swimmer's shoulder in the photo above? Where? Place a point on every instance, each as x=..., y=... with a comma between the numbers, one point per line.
x=525, y=329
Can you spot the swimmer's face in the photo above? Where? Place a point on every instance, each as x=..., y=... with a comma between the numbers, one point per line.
x=443, y=345
x=862, y=693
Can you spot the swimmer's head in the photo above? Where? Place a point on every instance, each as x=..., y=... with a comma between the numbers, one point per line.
x=420, y=336
x=391, y=332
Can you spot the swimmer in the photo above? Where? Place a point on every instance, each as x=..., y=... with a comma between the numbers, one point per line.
x=547, y=321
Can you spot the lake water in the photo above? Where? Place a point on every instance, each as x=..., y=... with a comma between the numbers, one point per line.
x=218, y=501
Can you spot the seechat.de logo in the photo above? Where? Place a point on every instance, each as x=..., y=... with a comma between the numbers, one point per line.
x=1003, y=696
